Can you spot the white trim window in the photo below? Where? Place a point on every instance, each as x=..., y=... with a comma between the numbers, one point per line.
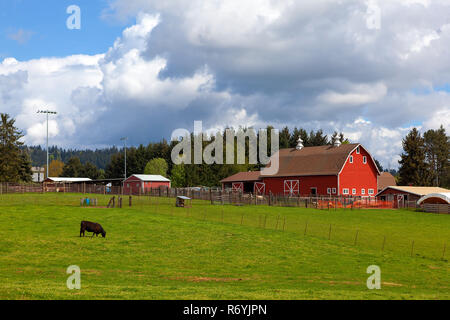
x=365, y=160
x=371, y=192
x=354, y=191
x=358, y=150
x=328, y=190
x=363, y=191
x=334, y=190
x=351, y=159
x=345, y=191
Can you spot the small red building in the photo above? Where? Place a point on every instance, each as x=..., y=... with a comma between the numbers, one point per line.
x=142, y=183
x=333, y=170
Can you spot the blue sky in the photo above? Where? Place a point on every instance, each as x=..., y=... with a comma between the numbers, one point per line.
x=370, y=69
x=43, y=31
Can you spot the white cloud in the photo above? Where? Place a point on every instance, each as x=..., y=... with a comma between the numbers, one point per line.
x=360, y=95
x=315, y=64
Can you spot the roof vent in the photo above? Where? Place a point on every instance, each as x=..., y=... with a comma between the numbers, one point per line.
x=337, y=143
x=299, y=144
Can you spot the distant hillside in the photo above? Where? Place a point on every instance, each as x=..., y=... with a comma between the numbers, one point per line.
x=98, y=157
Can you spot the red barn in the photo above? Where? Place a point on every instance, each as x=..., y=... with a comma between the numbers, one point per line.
x=346, y=169
x=141, y=183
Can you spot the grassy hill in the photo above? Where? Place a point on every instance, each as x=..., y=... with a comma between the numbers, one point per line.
x=155, y=251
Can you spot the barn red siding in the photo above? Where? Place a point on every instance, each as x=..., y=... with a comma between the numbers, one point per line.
x=358, y=175
x=134, y=185
x=322, y=183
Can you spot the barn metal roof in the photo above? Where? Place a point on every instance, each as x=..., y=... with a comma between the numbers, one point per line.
x=57, y=179
x=150, y=178
x=386, y=179
x=243, y=177
x=314, y=161
x=419, y=191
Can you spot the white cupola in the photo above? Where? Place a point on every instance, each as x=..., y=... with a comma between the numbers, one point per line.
x=299, y=144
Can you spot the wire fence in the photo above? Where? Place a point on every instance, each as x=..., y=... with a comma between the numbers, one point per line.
x=368, y=236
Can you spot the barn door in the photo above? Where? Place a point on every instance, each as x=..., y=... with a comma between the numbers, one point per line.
x=292, y=187
x=260, y=188
x=238, y=187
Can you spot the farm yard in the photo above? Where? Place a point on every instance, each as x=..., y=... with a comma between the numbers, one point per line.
x=154, y=250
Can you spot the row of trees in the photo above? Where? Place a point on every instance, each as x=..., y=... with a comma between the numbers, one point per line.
x=98, y=157
x=15, y=163
x=425, y=159
x=424, y=162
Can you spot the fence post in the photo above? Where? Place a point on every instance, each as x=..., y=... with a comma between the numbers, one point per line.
x=306, y=228
x=284, y=223
x=356, y=237
x=329, y=233
x=384, y=243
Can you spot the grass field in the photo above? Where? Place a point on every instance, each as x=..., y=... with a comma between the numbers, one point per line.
x=155, y=251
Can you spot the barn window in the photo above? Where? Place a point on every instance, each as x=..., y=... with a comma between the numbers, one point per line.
x=351, y=159
x=329, y=190
x=371, y=191
x=128, y=185
x=334, y=190
x=363, y=191
x=353, y=191
x=345, y=191
x=358, y=151
x=364, y=160
x=137, y=184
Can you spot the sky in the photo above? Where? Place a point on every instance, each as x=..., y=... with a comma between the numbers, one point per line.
x=143, y=68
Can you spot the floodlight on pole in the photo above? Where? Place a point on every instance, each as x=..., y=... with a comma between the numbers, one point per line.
x=47, y=112
x=125, y=141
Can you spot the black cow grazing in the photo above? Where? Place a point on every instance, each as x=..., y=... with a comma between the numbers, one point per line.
x=92, y=227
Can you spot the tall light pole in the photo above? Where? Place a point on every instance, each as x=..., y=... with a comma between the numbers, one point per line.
x=47, y=112
x=125, y=140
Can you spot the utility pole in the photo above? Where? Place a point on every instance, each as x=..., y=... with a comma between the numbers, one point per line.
x=47, y=112
x=125, y=141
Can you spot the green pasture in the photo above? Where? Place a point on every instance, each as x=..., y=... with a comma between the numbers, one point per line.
x=156, y=251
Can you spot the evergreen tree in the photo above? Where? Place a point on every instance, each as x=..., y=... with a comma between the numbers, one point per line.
x=437, y=148
x=25, y=172
x=73, y=168
x=413, y=168
x=90, y=171
x=13, y=164
x=285, y=136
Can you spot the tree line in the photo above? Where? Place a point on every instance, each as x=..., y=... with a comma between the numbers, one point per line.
x=424, y=161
